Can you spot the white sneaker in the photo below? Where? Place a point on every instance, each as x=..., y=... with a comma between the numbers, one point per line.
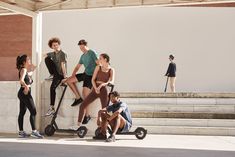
x=50, y=111
x=36, y=134
x=49, y=78
x=75, y=127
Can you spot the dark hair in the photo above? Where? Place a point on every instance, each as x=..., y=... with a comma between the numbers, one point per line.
x=105, y=56
x=82, y=42
x=20, y=60
x=115, y=94
x=53, y=40
x=172, y=57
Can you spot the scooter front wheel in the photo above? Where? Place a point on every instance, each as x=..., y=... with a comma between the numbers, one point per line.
x=49, y=130
x=97, y=131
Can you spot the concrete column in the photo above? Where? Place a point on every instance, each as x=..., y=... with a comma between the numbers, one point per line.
x=36, y=59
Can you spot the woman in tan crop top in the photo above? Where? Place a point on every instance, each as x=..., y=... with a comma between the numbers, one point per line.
x=102, y=76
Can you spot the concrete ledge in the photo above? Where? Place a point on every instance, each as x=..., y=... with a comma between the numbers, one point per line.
x=175, y=95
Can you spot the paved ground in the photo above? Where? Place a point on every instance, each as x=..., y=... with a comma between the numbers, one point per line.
x=151, y=146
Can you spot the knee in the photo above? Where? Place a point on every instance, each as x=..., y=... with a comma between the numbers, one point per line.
x=69, y=80
x=114, y=120
x=22, y=113
x=103, y=116
x=117, y=118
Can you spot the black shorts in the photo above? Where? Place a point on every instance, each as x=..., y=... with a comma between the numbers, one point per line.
x=85, y=78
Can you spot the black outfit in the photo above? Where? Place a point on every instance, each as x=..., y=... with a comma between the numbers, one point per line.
x=171, y=71
x=85, y=78
x=57, y=78
x=26, y=101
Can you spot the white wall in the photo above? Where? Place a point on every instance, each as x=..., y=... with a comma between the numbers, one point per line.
x=9, y=108
x=139, y=40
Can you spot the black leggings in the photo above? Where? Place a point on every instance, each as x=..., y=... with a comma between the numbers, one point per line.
x=26, y=101
x=57, y=78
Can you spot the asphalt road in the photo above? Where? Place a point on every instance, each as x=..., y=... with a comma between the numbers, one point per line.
x=54, y=150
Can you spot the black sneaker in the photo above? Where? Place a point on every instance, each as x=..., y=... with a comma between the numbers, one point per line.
x=100, y=136
x=76, y=102
x=86, y=119
x=111, y=139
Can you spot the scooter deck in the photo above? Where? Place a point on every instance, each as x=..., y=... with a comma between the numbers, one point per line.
x=66, y=131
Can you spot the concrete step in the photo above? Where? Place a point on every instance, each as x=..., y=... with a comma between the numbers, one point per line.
x=181, y=105
x=153, y=107
x=184, y=122
x=223, y=127
x=189, y=115
x=189, y=130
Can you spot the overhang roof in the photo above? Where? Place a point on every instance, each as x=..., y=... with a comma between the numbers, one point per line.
x=10, y=6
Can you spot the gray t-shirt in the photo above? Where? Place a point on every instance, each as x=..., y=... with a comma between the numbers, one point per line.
x=125, y=111
x=58, y=58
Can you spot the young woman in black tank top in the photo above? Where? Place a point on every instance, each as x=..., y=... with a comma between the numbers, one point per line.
x=25, y=97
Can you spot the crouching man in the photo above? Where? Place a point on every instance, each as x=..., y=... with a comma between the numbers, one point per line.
x=116, y=115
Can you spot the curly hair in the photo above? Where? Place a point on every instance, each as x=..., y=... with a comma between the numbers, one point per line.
x=53, y=40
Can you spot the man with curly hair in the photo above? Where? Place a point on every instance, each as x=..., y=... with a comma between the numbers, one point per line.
x=56, y=65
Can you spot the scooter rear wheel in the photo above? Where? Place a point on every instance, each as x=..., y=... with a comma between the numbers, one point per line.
x=140, y=133
x=98, y=131
x=82, y=131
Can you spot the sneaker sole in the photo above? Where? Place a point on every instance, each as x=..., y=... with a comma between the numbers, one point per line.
x=23, y=136
x=51, y=115
x=75, y=105
x=34, y=136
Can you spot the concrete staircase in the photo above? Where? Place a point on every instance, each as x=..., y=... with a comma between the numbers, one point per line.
x=160, y=113
x=183, y=113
